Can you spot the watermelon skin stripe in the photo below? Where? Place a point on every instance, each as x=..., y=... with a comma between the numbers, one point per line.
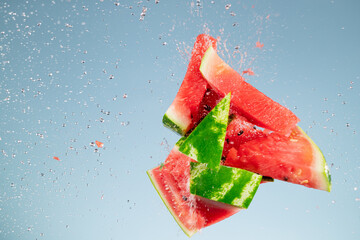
x=225, y=184
x=246, y=99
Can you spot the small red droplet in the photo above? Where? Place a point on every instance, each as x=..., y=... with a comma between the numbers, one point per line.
x=259, y=45
x=56, y=158
x=99, y=144
x=248, y=71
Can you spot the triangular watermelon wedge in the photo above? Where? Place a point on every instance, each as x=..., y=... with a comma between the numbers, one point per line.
x=246, y=99
x=205, y=144
x=296, y=159
x=183, y=112
x=172, y=182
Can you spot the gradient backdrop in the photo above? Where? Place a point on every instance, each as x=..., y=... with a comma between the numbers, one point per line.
x=76, y=72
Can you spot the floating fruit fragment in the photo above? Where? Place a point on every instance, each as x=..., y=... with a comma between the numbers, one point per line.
x=172, y=182
x=205, y=144
x=296, y=159
x=99, y=144
x=182, y=113
x=246, y=99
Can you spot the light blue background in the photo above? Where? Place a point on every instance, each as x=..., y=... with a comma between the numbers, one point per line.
x=74, y=72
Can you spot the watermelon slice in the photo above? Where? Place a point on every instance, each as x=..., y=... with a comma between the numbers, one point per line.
x=246, y=100
x=205, y=144
x=296, y=159
x=191, y=212
x=183, y=112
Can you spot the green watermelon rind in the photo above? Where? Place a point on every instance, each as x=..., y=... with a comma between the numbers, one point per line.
x=172, y=125
x=206, y=142
x=321, y=163
x=188, y=232
x=225, y=184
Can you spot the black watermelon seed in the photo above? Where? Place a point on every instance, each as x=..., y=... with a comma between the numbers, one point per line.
x=286, y=179
x=241, y=132
x=184, y=198
x=207, y=107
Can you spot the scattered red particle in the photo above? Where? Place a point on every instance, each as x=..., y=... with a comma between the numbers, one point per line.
x=248, y=71
x=259, y=45
x=99, y=144
x=252, y=6
x=267, y=17
x=56, y=158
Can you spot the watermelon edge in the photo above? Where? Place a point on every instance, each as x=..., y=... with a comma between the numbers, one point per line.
x=321, y=163
x=188, y=232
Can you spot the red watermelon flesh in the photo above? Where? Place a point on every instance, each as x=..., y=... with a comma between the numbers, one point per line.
x=294, y=159
x=246, y=99
x=191, y=212
x=183, y=111
x=240, y=131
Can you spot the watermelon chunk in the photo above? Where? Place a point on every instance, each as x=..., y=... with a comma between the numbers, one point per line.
x=246, y=99
x=191, y=212
x=296, y=159
x=183, y=112
x=205, y=144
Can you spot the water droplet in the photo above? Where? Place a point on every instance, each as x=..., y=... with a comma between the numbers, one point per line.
x=125, y=95
x=232, y=14
x=164, y=43
x=228, y=6
x=143, y=13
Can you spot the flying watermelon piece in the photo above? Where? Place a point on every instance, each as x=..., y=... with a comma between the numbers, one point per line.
x=206, y=142
x=296, y=159
x=229, y=185
x=172, y=182
x=183, y=112
x=246, y=99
